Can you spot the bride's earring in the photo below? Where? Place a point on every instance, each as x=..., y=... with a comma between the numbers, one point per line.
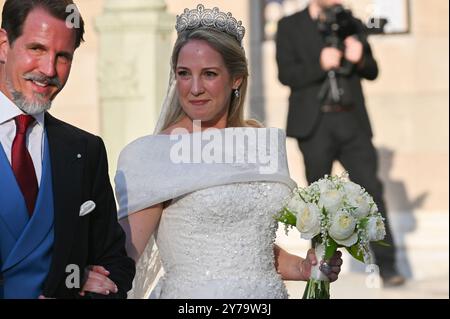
x=237, y=94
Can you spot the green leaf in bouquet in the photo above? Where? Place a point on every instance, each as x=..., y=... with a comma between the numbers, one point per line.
x=330, y=248
x=287, y=217
x=317, y=289
x=382, y=243
x=363, y=222
x=307, y=290
x=324, y=212
x=355, y=252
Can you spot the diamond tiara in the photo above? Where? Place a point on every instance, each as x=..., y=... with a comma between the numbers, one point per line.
x=211, y=18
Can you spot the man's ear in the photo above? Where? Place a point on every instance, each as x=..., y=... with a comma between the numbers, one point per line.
x=4, y=46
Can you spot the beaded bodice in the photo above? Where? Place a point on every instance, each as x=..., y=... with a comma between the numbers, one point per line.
x=218, y=242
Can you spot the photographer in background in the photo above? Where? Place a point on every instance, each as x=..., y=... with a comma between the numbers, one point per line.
x=322, y=55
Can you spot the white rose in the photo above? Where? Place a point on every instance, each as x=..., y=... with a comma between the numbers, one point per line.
x=342, y=228
x=331, y=199
x=351, y=188
x=361, y=203
x=373, y=209
x=324, y=185
x=308, y=221
x=375, y=228
x=295, y=204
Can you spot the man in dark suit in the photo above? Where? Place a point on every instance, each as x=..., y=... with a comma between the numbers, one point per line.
x=59, y=235
x=332, y=131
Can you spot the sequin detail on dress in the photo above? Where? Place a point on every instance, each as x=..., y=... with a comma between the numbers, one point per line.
x=218, y=243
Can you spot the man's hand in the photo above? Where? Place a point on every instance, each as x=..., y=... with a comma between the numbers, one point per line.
x=330, y=58
x=98, y=282
x=353, y=50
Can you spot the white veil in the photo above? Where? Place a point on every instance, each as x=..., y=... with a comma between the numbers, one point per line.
x=168, y=105
x=149, y=268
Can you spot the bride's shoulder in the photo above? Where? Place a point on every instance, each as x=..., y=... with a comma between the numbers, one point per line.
x=143, y=145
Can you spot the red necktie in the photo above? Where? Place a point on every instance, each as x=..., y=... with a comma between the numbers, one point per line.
x=22, y=164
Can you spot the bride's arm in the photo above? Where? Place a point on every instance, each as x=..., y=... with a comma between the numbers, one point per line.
x=139, y=227
x=292, y=267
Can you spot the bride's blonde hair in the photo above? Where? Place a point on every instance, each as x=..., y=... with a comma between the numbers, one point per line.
x=236, y=63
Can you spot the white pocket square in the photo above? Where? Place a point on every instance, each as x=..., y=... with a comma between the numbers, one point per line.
x=87, y=207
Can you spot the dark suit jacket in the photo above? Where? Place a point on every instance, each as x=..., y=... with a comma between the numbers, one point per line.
x=298, y=48
x=96, y=238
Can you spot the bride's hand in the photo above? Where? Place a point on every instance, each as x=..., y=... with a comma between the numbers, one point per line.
x=330, y=269
x=98, y=282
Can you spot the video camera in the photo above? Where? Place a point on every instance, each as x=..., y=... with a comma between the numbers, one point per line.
x=335, y=24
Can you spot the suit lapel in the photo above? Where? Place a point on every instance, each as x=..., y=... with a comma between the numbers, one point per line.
x=314, y=39
x=67, y=171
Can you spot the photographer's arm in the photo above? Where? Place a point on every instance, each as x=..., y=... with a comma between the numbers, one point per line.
x=292, y=71
x=367, y=68
x=359, y=53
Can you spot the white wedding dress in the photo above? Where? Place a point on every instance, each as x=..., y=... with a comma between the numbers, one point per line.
x=216, y=237
x=218, y=243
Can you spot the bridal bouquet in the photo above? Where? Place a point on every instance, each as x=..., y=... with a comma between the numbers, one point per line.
x=334, y=212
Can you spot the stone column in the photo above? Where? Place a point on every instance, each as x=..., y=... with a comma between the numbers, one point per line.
x=135, y=47
x=256, y=83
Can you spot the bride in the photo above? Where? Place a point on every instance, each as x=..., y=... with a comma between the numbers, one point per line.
x=209, y=192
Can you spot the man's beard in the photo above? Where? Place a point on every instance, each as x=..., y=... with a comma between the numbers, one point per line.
x=33, y=107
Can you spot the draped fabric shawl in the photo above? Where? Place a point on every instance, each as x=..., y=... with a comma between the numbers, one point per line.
x=157, y=168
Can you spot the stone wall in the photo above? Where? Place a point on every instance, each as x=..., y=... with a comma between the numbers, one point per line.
x=408, y=103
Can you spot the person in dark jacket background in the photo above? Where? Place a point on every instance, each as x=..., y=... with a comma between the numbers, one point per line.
x=327, y=131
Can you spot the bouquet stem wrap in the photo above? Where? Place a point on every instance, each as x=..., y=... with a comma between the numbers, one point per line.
x=334, y=212
x=318, y=286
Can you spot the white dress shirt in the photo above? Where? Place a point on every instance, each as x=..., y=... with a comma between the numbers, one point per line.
x=35, y=133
